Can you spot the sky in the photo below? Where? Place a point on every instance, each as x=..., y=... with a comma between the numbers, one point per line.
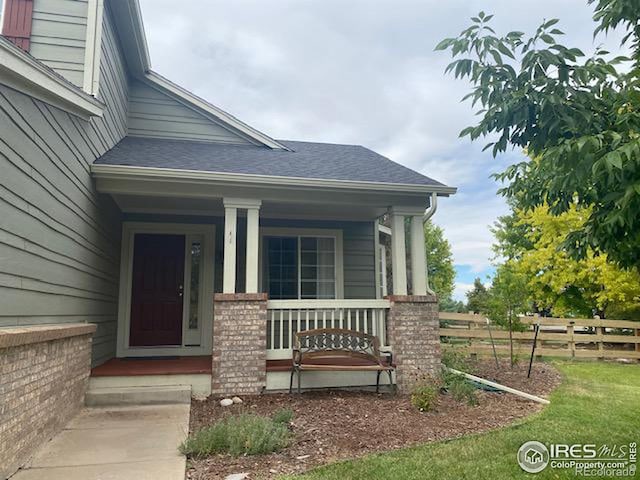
x=358, y=72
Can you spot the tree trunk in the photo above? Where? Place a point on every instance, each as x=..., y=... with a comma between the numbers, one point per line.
x=510, y=338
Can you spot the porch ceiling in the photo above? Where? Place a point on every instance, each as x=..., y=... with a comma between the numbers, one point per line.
x=179, y=197
x=269, y=209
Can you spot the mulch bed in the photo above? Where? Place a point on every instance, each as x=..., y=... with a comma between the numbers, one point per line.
x=337, y=425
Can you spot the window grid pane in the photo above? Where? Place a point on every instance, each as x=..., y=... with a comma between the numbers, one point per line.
x=300, y=267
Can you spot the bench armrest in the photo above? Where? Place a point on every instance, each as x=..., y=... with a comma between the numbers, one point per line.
x=296, y=357
x=387, y=354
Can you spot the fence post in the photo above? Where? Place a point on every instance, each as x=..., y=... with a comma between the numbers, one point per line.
x=600, y=341
x=638, y=344
x=472, y=326
x=571, y=343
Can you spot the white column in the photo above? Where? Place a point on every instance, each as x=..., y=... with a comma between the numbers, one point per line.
x=230, y=230
x=398, y=255
x=252, y=248
x=418, y=256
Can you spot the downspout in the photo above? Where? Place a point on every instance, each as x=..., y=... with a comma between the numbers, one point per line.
x=428, y=213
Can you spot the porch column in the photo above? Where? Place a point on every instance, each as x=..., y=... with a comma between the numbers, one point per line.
x=230, y=230
x=418, y=257
x=253, y=228
x=398, y=254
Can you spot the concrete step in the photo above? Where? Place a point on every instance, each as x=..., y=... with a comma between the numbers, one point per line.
x=200, y=384
x=153, y=395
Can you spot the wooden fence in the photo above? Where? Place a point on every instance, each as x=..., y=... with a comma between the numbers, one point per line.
x=561, y=337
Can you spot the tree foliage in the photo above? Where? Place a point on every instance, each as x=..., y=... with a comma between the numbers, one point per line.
x=478, y=297
x=507, y=300
x=440, y=269
x=578, y=118
x=557, y=283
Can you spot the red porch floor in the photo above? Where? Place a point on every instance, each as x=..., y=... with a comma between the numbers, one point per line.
x=117, y=367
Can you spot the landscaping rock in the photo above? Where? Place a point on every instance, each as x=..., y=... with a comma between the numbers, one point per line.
x=236, y=400
x=236, y=476
x=226, y=402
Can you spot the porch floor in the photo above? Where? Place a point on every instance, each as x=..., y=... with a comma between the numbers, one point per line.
x=118, y=367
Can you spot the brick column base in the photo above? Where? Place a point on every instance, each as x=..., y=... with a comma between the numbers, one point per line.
x=413, y=333
x=239, y=344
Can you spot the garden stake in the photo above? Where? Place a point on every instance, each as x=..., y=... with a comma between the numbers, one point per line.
x=493, y=345
x=533, y=347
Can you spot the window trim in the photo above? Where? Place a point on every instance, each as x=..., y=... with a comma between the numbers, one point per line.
x=305, y=232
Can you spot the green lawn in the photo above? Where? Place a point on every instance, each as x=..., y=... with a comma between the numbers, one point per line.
x=596, y=403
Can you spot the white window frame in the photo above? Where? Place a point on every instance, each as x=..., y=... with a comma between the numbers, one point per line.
x=305, y=232
x=206, y=232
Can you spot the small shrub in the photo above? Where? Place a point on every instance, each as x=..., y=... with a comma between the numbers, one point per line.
x=457, y=360
x=460, y=388
x=245, y=434
x=284, y=415
x=424, y=395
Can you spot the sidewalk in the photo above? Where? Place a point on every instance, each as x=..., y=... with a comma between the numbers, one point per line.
x=123, y=443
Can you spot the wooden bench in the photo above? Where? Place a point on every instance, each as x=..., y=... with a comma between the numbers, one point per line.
x=333, y=349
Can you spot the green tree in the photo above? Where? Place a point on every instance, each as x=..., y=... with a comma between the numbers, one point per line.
x=451, y=305
x=578, y=118
x=563, y=285
x=478, y=297
x=440, y=269
x=507, y=300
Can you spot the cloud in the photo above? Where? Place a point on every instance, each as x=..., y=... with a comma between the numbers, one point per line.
x=460, y=291
x=357, y=72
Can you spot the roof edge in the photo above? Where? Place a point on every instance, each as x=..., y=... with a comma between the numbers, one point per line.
x=24, y=73
x=196, y=176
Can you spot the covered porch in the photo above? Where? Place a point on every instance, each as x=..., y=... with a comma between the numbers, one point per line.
x=276, y=258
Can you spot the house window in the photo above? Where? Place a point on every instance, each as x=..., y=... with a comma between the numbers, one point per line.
x=300, y=267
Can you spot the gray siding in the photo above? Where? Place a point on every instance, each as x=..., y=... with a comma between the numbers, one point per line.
x=60, y=239
x=358, y=244
x=58, y=36
x=153, y=113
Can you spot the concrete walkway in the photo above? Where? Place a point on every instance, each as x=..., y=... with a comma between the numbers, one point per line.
x=117, y=443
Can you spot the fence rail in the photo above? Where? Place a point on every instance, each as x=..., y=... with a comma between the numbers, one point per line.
x=287, y=317
x=562, y=337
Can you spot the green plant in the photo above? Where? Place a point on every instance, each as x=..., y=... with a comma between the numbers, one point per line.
x=284, y=415
x=424, y=395
x=460, y=388
x=457, y=360
x=245, y=434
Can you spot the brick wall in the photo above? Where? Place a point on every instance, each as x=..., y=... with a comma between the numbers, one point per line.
x=413, y=333
x=239, y=344
x=44, y=372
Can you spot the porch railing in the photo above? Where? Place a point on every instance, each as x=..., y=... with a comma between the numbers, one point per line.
x=287, y=317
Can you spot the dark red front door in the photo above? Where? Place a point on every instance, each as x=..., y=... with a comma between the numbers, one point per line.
x=156, y=290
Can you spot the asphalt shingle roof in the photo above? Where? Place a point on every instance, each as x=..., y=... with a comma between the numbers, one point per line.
x=307, y=160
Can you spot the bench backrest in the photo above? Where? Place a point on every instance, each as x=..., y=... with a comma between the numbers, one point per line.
x=336, y=339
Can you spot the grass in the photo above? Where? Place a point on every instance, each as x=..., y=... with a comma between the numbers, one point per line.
x=596, y=403
x=245, y=434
